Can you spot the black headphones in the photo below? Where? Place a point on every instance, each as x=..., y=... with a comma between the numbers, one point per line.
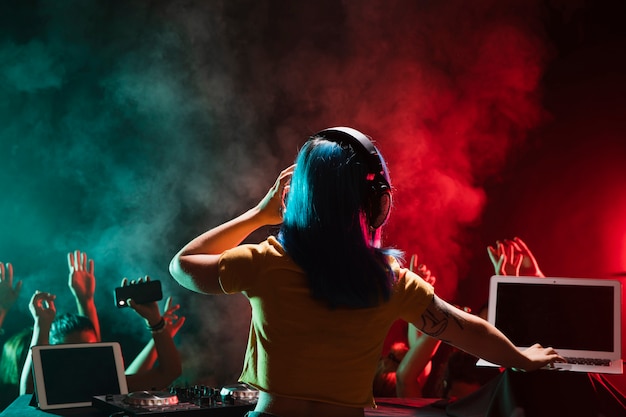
x=379, y=198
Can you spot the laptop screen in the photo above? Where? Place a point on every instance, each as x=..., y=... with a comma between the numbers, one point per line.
x=579, y=317
x=70, y=375
x=576, y=317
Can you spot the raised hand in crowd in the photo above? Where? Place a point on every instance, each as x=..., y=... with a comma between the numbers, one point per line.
x=514, y=258
x=82, y=283
x=8, y=292
x=146, y=359
x=169, y=365
x=422, y=270
x=43, y=310
x=174, y=321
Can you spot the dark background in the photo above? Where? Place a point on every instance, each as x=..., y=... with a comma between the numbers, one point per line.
x=128, y=127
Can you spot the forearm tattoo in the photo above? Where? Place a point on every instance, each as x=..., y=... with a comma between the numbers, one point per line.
x=437, y=318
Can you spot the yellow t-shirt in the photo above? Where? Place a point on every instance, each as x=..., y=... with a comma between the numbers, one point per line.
x=300, y=348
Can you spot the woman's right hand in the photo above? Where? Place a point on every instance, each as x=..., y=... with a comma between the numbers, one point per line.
x=273, y=205
x=540, y=357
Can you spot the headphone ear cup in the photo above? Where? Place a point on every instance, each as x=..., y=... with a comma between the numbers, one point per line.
x=379, y=208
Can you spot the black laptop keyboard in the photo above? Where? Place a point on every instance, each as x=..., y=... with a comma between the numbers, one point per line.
x=589, y=361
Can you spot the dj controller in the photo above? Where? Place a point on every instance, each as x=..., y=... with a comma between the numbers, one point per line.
x=197, y=401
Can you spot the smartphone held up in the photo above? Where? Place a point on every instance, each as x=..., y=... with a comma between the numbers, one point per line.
x=142, y=292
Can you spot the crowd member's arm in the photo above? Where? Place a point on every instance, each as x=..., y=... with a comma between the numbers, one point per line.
x=169, y=364
x=82, y=283
x=421, y=350
x=413, y=369
x=479, y=338
x=43, y=311
x=195, y=266
x=8, y=292
x=146, y=359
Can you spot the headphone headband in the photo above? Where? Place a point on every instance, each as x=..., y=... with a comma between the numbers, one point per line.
x=362, y=143
x=379, y=198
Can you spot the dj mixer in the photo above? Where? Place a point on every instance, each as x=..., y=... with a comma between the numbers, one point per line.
x=197, y=401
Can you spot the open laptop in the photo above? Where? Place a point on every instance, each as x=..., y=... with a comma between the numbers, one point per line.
x=579, y=317
x=69, y=375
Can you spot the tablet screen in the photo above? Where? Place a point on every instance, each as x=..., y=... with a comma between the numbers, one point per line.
x=70, y=375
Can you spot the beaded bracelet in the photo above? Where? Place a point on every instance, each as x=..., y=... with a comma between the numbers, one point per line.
x=158, y=328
